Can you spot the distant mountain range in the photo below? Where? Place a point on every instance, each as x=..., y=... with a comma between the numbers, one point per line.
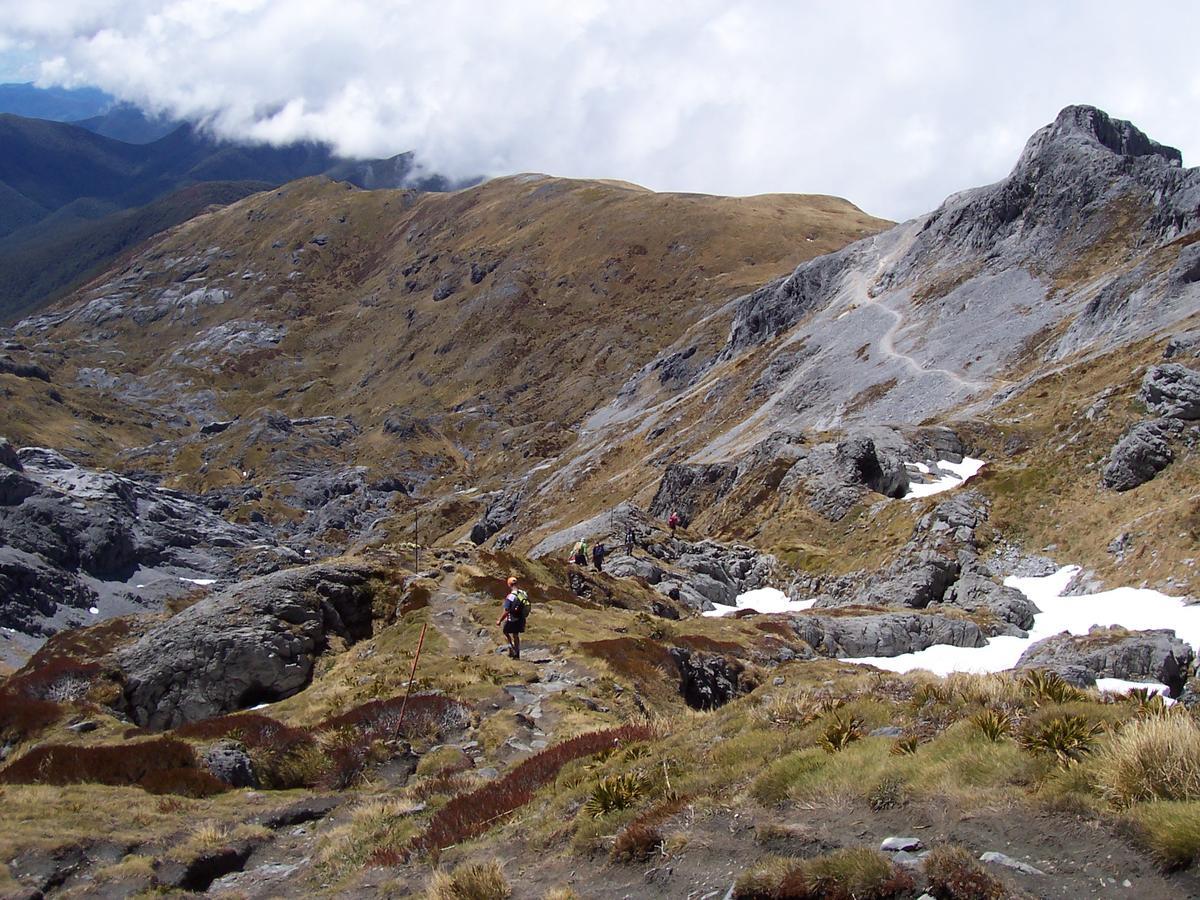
x=74, y=195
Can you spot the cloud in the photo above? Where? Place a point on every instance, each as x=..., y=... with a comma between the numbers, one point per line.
x=891, y=105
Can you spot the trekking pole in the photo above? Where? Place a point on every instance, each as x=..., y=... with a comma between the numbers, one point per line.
x=411, y=676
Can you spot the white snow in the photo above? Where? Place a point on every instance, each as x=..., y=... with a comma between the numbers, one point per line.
x=763, y=600
x=958, y=474
x=1120, y=686
x=1137, y=609
x=94, y=610
x=203, y=582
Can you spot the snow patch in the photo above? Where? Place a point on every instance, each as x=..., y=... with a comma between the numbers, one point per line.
x=763, y=600
x=957, y=473
x=203, y=582
x=95, y=611
x=1137, y=609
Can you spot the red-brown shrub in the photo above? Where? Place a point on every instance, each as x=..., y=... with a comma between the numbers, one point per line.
x=470, y=815
x=636, y=842
x=30, y=699
x=195, y=783
x=125, y=764
x=251, y=729
x=425, y=714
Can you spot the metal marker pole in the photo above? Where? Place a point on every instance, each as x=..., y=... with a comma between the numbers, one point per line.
x=411, y=676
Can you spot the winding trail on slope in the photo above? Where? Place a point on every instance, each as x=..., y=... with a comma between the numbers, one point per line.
x=887, y=343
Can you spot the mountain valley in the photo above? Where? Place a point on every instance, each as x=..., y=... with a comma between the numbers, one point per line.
x=279, y=450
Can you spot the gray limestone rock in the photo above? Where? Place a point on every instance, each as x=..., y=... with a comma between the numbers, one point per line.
x=253, y=643
x=689, y=490
x=1001, y=859
x=1138, y=456
x=975, y=593
x=1114, y=653
x=883, y=634
x=1172, y=390
x=230, y=764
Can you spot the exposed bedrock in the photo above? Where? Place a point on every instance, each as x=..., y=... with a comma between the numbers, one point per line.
x=253, y=643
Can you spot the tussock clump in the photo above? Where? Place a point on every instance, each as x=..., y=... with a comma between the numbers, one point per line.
x=379, y=824
x=841, y=733
x=852, y=874
x=1068, y=738
x=470, y=881
x=889, y=793
x=637, y=842
x=1151, y=759
x=1169, y=830
x=470, y=815
x=993, y=724
x=1042, y=686
x=613, y=793
x=954, y=874
x=906, y=745
x=164, y=765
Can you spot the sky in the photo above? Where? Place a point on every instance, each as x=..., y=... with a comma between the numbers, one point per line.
x=891, y=105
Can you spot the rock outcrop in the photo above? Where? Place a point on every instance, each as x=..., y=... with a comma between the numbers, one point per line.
x=253, y=643
x=884, y=634
x=1172, y=390
x=1139, y=455
x=706, y=680
x=78, y=545
x=974, y=593
x=1114, y=653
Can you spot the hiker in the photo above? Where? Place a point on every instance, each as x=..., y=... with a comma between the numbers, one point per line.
x=516, y=611
x=579, y=553
x=673, y=522
x=629, y=539
x=598, y=554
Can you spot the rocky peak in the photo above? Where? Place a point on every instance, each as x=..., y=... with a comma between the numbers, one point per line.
x=1093, y=126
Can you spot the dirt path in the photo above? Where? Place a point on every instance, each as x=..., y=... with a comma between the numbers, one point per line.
x=1078, y=859
x=283, y=865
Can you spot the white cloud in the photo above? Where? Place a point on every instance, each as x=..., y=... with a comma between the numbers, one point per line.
x=891, y=105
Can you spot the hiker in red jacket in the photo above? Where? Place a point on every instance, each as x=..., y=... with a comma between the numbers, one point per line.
x=673, y=522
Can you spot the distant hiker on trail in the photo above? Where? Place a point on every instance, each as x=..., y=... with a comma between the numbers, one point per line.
x=629, y=539
x=579, y=553
x=598, y=554
x=516, y=611
x=673, y=522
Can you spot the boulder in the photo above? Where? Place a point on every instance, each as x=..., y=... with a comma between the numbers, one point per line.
x=253, y=643
x=499, y=513
x=230, y=764
x=634, y=567
x=1138, y=456
x=1114, y=653
x=912, y=583
x=884, y=634
x=976, y=593
x=1172, y=390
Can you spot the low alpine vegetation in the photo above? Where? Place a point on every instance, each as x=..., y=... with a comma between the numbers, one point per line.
x=1151, y=759
x=470, y=881
x=954, y=874
x=858, y=873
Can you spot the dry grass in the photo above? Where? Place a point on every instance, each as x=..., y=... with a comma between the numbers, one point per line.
x=1169, y=830
x=381, y=824
x=954, y=874
x=212, y=835
x=848, y=874
x=1151, y=759
x=470, y=881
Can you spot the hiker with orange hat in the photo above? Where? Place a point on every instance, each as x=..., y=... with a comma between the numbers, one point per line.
x=516, y=611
